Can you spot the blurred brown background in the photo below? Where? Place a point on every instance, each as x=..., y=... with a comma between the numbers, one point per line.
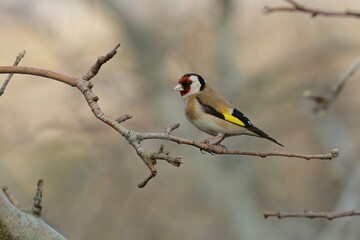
x=261, y=63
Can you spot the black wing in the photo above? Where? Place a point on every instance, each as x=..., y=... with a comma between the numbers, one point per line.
x=236, y=113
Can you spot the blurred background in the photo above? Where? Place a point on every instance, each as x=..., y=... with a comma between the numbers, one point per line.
x=261, y=63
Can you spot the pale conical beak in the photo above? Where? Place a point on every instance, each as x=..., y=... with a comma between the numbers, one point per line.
x=178, y=87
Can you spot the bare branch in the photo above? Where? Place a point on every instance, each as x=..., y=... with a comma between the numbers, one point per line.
x=313, y=12
x=123, y=118
x=135, y=138
x=153, y=173
x=39, y=72
x=165, y=155
x=7, y=80
x=11, y=197
x=311, y=214
x=217, y=149
x=99, y=62
x=36, y=208
x=172, y=127
x=322, y=102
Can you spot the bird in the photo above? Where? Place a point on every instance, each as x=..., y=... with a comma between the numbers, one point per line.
x=212, y=113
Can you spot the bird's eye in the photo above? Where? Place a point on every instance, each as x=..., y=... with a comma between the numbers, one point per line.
x=186, y=84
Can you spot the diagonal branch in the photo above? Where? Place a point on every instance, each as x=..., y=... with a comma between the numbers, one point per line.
x=322, y=102
x=313, y=12
x=311, y=214
x=99, y=62
x=7, y=80
x=135, y=138
x=11, y=197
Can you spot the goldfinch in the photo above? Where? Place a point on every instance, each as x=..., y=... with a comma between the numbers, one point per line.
x=213, y=114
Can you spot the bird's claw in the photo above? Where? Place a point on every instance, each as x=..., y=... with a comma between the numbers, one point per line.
x=206, y=151
x=212, y=145
x=206, y=141
x=223, y=147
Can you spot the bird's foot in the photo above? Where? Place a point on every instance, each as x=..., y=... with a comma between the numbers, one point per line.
x=216, y=144
x=206, y=151
x=223, y=147
x=207, y=142
x=220, y=145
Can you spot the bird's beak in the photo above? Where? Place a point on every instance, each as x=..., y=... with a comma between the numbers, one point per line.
x=178, y=87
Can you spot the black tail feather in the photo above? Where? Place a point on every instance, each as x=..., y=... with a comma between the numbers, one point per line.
x=262, y=134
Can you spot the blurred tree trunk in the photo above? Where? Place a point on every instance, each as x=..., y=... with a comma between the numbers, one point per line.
x=18, y=224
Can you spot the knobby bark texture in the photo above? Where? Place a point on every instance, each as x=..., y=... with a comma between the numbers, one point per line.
x=312, y=214
x=18, y=224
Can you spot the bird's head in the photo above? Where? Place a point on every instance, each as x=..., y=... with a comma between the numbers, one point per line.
x=190, y=84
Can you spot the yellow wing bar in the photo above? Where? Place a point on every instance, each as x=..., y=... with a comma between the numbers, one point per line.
x=231, y=118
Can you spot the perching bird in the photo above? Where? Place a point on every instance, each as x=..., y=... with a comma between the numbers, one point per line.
x=213, y=114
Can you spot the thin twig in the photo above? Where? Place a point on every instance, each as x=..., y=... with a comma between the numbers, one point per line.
x=341, y=80
x=313, y=12
x=11, y=197
x=99, y=62
x=311, y=214
x=123, y=118
x=36, y=207
x=323, y=101
x=135, y=138
x=171, y=128
x=7, y=80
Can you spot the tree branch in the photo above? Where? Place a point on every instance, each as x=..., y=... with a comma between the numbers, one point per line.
x=311, y=214
x=135, y=138
x=313, y=12
x=39, y=72
x=323, y=101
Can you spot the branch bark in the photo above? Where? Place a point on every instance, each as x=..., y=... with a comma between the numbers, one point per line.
x=311, y=214
x=16, y=223
x=134, y=138
x=313, y=12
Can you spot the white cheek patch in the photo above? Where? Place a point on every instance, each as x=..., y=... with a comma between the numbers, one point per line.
x=194, y=87
x=194, y=78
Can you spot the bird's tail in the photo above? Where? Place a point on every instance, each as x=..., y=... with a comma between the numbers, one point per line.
x=273, y=140
x=260, y=133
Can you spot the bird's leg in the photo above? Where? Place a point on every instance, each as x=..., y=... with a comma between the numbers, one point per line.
x=218, y=142
x=221, y=136
x=221, y=139
x=207, y=141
